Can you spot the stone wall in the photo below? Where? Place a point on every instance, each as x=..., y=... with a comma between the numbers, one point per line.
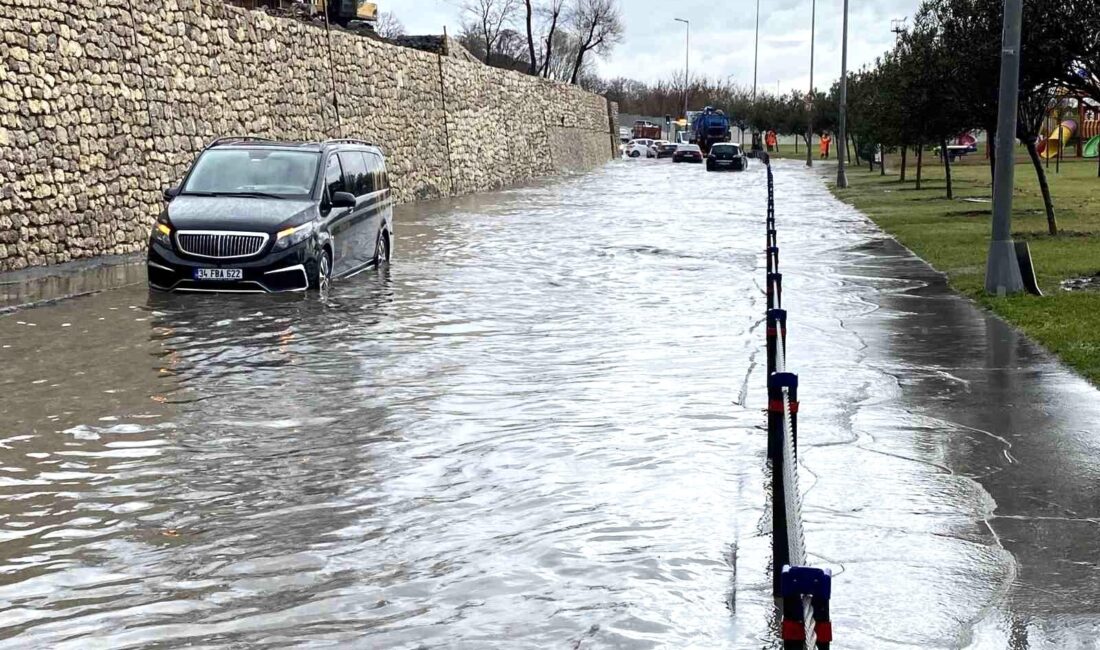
x=102, y=105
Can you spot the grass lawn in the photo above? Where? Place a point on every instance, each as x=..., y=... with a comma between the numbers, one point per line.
x=954, y=237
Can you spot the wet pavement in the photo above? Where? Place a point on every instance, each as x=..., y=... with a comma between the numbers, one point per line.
x=541, y=427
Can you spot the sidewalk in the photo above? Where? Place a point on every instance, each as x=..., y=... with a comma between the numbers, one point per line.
x=951, y=461
x=46, y=284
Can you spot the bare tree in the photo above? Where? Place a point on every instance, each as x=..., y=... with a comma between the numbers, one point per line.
x=598, y=26
x=563, y=56
x=489, y=18
x=552, y=14
x=388, y=26
x=533, y=65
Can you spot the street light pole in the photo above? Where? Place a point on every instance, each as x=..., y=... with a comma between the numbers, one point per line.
x=756, y=52
x=1002, y=271
x=687, y=69
x=810, y=103
x=842, y=135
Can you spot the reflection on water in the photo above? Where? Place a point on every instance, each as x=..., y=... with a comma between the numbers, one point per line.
x=540, y=427
x=522, y=430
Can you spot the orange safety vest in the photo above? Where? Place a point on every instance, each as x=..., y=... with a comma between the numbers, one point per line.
x=825, y=142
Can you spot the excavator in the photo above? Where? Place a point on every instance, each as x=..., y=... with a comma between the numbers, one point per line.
x=344, y=11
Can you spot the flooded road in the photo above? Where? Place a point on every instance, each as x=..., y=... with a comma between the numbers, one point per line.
x=541, y=427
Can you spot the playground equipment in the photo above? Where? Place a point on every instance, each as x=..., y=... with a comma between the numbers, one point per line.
x=1092, y=147
x=1050, y=147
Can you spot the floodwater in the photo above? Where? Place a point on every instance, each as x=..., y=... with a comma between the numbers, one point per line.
x=541, y=427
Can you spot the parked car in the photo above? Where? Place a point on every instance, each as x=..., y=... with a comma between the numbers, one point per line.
x=726, y=155
x=666, y=149
x=688, y=153
x=641, y=148
x=255, y=215
x=956, y=151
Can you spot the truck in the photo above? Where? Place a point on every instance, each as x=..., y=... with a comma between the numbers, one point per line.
x=343, y=12
x=644, y=129
x=708, y=127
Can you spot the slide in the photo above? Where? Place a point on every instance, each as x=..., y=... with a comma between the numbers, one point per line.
x=1058, y=139
x=1092, y=147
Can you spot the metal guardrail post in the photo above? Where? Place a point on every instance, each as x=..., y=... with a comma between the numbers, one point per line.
x=775, y=286
x=823, y=625
x=780, y=540
x=777, y=381
x=799, y=582
x=773, y=258
x=776, y=323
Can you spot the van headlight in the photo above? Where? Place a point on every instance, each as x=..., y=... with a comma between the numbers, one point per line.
x=291, y=236
x=162, y=234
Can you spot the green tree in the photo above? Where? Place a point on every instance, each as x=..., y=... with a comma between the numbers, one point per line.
x=971, y=29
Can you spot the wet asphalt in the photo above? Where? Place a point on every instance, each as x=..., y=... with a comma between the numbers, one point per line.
x=542, y=426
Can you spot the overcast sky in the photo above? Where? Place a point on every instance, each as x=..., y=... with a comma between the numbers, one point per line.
x=721, y=37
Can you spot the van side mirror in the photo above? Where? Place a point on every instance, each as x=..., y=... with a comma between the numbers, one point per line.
x=343, y=200
x=171, y=193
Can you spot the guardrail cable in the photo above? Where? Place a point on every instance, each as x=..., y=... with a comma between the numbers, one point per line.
x=804, y=591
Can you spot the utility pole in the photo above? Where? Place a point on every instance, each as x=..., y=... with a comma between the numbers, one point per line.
x=755, y=61
x=841, y=175
x=687, y=69
x=756, y=52
x=897, y=26
x=810, y=100
x=1002, y=271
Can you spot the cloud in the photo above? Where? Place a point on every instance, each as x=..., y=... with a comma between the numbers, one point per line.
x=722, y=34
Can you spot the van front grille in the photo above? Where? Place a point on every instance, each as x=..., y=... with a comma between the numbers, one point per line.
x=220, y=245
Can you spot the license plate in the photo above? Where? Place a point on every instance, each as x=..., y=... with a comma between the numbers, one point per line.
x=725, y=162
x=218, y=274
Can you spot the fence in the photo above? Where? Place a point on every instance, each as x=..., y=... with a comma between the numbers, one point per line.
x=804, y=591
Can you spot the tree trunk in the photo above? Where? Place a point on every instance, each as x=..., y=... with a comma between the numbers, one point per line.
x=545, y=72
x=881, y=160
x=904, y=155
x=855, y=152
x=920, y=162
x=581, y=52
x=533, y=66
x=1052, y=222
x=577, y=67
x=947, y=168
x=488, y=43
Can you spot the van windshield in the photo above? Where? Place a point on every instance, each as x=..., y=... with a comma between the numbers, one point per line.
x=259, y=171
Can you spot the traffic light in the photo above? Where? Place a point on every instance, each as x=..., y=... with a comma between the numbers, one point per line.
x=668, y=120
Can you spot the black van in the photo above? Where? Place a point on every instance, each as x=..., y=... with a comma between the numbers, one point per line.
x=255, y=215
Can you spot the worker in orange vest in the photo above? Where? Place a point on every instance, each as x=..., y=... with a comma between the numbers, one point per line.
x=771, y=141
x=826, y=140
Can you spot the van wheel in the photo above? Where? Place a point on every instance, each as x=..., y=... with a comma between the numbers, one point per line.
x=635, y=154
x=321, y=276
x=382, y=249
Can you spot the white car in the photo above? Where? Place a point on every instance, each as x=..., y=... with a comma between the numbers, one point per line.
x=641, y=148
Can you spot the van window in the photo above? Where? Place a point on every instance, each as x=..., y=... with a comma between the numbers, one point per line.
x=334, y=176
x=377, y=169
x=290, y=174
x=355, y=172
